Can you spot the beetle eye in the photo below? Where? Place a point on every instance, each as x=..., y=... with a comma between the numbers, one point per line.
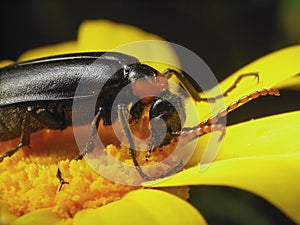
x=165, y=119
x=158, y=130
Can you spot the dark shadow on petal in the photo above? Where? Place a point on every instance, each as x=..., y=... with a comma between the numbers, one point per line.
x=231, y=206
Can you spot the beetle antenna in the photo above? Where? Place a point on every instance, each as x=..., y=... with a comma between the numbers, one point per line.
x=212, y=124
x=184, y=82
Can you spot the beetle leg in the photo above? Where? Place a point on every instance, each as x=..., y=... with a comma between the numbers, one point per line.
x=88, y=148
x=232, y=87
x=61, y=180
x=52, y=117
x=149, y=151
x=238, y=80
x=24, y=139
x=184, y=82
x=194, y=93
x=90, y=144
x=128, y=135
x=212, y=124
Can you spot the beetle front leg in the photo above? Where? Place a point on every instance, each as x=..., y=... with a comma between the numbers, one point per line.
x=24, y=140
x=194, y=93
x=232, y=87
x=184, y=82
x=128, y=135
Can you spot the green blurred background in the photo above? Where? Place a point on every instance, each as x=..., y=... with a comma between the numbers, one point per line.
x=225, y=34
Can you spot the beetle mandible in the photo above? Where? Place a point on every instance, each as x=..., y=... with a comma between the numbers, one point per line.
x=38, y=94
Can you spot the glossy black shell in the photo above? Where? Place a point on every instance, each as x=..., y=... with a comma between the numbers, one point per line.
x=55, y=78
x=52, y=83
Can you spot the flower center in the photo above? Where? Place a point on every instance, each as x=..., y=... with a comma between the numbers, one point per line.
x=28, y=178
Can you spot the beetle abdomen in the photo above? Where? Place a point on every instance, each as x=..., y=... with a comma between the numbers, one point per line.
x=11, y=119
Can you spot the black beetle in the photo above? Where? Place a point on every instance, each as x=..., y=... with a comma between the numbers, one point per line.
x=38, y=94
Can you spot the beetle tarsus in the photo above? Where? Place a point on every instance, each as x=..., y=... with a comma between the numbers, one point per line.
x=10, y=152
x=232, y=87
x=238, y=80
x=61, y=180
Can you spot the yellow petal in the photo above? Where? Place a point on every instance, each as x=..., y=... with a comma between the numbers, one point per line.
x=95, y=35
x=142, y=207
x=104, y=35
x=293, y=83
x=5, y=216
x=41, y=217
x=4, y=63
x=57, y=49
x=273, y=69
x=261, y=156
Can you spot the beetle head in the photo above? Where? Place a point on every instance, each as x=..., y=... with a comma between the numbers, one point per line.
x=167, y=115
x=146, y=82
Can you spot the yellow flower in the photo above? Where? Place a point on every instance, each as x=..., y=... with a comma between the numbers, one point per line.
x=260, y=156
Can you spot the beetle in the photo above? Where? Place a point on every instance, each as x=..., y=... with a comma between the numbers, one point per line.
x=38, y=94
